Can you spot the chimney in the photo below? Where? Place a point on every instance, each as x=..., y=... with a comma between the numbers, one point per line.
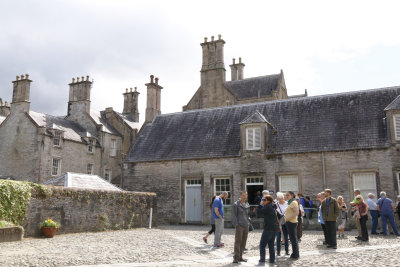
x=234, y=71
x=109, y=112
x=4, y=108
x=213, y=67
x=153, y=107
x=240, y=67
x=21, y=93
x=79, y=96
x=131, y=104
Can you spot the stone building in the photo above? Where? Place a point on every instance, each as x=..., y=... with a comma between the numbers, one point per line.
x=37, y=147
x=266, y=140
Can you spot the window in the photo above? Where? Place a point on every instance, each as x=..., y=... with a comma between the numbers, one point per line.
x=56, y=139
x=396, y=120
x=366, y=182
x=55, y=170
x=222, y=185
x=113, y=148
x=289, y=183
x=193, y=182
x=90, y=168
x=90, y=146
x=255, y=181
x=253, y=138
x=107, y=174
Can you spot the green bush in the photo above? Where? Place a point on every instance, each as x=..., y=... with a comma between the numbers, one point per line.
x=5, y=224
x=14, y=199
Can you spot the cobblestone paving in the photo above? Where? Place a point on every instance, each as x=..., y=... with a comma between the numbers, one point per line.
x=183, y=246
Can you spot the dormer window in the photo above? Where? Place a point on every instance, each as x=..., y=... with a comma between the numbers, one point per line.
x=253, y=138
x=57, y=138
x=90, y=145
x=396, y=120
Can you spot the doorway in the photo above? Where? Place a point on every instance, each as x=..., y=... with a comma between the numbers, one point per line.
x=253, y=186
x=193, y=201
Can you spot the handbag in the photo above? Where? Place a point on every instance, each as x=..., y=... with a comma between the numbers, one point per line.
x=281, y=217
x=251, y=228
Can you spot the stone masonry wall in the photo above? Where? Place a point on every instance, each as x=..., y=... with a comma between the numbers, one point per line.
x=164, y=177
x=80, y=210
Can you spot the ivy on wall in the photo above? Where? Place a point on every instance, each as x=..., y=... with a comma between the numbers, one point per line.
x=14, y=199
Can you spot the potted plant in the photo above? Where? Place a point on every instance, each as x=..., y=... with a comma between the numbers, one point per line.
x=49, y=227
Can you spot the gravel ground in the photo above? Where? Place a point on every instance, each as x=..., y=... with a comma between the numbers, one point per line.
x=183, y=246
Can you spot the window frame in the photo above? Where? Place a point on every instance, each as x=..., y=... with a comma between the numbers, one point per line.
x=251, y=131
x=91, y=168
x=217, y=193
x=289, y=175
x=370, y=190
x=396, y=119
x=91, y=144
x=113, y=147
x=107, y=171
x=57, y=137
x=58, y=167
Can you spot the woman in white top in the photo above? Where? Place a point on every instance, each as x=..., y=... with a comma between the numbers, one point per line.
x=281, y=206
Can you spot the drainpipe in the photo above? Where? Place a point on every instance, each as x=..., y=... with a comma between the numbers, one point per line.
x=323, y=169
x=180, y=190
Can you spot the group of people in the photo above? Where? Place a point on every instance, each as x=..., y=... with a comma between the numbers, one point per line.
x=283, y=220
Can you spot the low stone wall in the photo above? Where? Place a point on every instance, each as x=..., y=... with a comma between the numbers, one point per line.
x=79, y=210
x=9, y=234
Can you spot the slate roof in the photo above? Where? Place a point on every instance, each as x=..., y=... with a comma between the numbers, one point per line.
x=133, y=125
x=394, y=105
x=99, y=118
x=343, y=121
x=254, y=87
x=72, y=130
x=2, y=118
x=80, y=180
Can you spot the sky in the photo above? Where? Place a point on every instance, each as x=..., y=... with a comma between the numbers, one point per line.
x=323, y=46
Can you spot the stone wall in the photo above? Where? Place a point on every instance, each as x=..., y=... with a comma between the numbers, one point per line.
x=80, y=210
x=167, y=178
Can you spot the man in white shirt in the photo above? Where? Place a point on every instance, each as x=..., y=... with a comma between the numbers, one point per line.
x=373, y=210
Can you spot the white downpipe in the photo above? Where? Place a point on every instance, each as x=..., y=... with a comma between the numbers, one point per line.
x=151, y=217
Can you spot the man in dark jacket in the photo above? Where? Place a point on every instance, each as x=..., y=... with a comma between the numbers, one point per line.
x=330, y=213
x=240, y=220
x=271, y=227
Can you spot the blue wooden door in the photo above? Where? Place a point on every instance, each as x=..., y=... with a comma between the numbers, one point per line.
x=193, y=203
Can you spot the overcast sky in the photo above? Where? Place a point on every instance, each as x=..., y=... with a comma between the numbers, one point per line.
x=324, y=48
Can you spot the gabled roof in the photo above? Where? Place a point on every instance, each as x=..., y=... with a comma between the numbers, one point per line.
x=99, y=118
x=133, y=125
x=344, y=121
x=80, y=180
x=256, y=117
x=71, y=129
x=257, y=87
x=394, y=105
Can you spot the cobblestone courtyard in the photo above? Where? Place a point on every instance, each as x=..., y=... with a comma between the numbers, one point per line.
x=183, y=246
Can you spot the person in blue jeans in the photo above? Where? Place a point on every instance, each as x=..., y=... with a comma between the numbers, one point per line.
x=386, y=208
x=373, y=211
x=271, y=227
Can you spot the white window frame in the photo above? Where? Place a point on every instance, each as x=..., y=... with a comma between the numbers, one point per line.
x=107, y=172
x=396, y=124
x=113, y=147
x=91, y=144
x=55, y=170
x=365, y=191
x=90, y=168
x=259, y=180
x=289, y=189
x=57, y=139
x=218, y=192
x=251, y=139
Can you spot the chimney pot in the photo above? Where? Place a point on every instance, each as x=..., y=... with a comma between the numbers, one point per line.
x=73, y=80
x=219, y=36
x=131, y=90
x=87, y=78
x=77, y=79
x=135, y=89
x=126, y=90
x=156, y=80
x=233, y=60
x=240, y=60
x=22, y=76
x=151, y=78
x=205, y=39
x=83, y=78
x=6, y=104
x=17, y=78
x=212, y=38
x=27, y=76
